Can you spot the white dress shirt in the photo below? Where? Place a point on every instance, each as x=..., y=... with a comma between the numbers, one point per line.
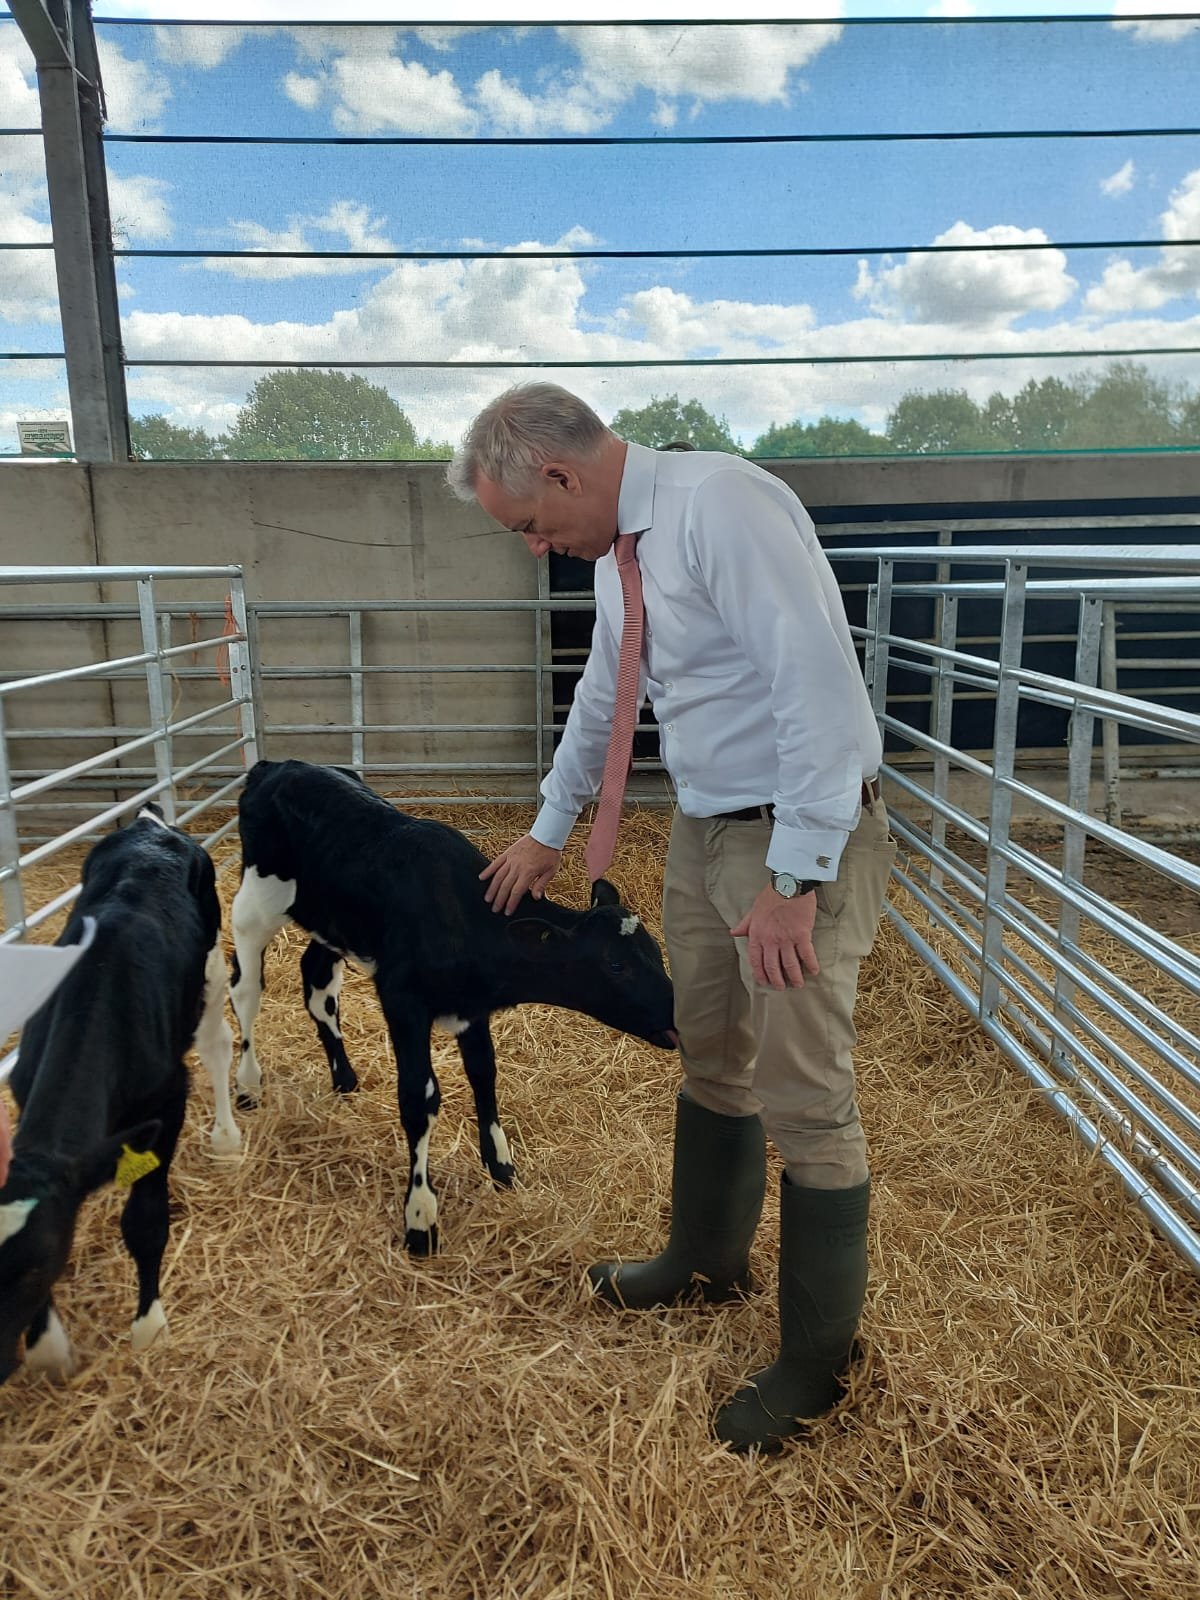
x=748, y=661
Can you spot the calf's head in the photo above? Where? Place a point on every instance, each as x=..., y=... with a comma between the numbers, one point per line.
x=604, y=964
x=39, y=1205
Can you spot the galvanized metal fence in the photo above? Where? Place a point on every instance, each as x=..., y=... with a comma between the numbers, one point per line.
x=139, y=747
x=1096, y=1003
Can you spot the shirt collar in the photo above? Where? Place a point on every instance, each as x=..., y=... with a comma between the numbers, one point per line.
x=635, y=504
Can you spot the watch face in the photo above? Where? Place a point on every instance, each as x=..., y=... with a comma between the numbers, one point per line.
x=785, y=884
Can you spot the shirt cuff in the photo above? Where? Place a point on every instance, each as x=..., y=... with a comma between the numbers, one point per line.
x=552, y=827
x=806, y=852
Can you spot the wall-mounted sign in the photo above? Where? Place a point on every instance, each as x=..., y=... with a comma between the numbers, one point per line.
x=44, y=438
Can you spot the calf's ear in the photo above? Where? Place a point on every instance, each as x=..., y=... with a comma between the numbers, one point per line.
x=125, y=1157
x=14, y=1214
x=603, y=893
x=534, y=936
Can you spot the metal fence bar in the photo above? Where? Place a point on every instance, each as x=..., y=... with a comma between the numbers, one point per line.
x=1111, y=733
x=943, y=710
x=1079, y=782
x=1157, y=1210
x=157, y=695
x=28, y=791
x=357, y=758
x=10, y=843
x=242, y=681
x=875, y=661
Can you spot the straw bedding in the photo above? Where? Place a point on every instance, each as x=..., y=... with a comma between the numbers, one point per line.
x=330, y=1418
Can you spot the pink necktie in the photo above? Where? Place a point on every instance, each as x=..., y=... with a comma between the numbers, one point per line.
x=602, y=840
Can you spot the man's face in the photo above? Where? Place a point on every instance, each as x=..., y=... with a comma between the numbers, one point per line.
x=563, y=514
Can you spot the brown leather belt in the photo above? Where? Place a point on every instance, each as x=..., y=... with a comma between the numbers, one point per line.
x=764, y=813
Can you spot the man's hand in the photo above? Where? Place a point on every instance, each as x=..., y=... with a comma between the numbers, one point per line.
x=526, y=867
x=780, y=936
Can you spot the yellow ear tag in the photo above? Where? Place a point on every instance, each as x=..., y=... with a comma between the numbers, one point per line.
x=134, y=1164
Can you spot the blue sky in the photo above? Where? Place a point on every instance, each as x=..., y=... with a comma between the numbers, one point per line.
x=834, y=76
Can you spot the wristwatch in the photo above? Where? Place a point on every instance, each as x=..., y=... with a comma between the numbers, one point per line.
x=789, y=887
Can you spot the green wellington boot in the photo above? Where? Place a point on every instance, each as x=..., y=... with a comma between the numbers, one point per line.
x=717, y=1188
x=822, y=1285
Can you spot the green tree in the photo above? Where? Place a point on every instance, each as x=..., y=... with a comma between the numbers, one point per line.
x=828, y=436
x=670, y=420
x=1123, y=408
x=1041, y=416
x=303, y=415
x=939, y=422
x=1189, y=420
x=155, y=439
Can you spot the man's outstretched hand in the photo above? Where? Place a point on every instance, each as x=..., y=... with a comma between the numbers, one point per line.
x=526, y=867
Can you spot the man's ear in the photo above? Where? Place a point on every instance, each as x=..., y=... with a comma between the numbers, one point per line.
x=127, y=1154
x=559, y=475
x=603, y=893
x=535, y=936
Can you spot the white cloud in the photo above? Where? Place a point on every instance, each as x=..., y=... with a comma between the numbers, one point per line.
x=443, y=38
x=515, y=309
x=1176, y=273
x=202, y=48
x=952, y=8
x=373, y=88
x=139, y=208
x=135, y=94
x=454, y=13
x=572, y=105
x=28, y=287
x=675, y=322
x=307, y=93
x=19, y=103
x=706, y=64
x=380, y=95
x=359, y=44
x=345, y=225
x=979, y=290
x=1119, y=182
x=1161, y=31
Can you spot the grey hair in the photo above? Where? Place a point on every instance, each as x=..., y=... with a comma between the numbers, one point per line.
x=518, y=432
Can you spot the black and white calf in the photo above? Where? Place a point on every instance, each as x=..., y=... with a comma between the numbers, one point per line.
x=100, y=1077
x=401, y=898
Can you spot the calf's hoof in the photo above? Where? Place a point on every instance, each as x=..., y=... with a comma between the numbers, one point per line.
x=147, y=1329
x=246, y=1101
x=421, y=1241
x=52, y=1353
x=345, y=1082
x=226, y=1141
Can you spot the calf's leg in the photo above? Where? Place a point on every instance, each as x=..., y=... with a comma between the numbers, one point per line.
x=260, y=909
x=419, y=1099
x=145, y=1224
x=214, y=1046
x=479, y=1059
x=322, y=970
x=47, y=1348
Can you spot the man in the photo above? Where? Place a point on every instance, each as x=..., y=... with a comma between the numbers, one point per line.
x=777, y=866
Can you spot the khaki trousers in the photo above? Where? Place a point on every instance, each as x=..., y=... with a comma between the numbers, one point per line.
x=785, y=1054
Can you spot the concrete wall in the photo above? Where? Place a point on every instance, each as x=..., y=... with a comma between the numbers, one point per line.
x=305, y=532
x=341, y=531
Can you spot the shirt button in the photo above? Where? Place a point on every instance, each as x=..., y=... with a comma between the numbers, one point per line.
x=683, y=783
x=668, y=685
x=670, y=727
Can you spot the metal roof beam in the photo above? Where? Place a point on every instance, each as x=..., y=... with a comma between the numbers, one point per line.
x=60, y=34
